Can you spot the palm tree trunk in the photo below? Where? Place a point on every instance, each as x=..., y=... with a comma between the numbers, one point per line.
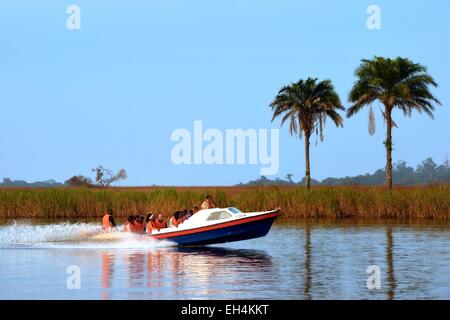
x=307, y=172
x=388, y=144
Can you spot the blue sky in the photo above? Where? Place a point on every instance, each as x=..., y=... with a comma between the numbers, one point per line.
x=112, y=92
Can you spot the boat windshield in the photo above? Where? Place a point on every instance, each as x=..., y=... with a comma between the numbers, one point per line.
x=219, y=215
x=234, y=210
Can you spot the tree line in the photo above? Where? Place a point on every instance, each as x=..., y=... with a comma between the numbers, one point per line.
x=103, y=178
x=427, y=172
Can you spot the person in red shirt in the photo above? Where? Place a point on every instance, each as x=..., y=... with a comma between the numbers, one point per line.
x=129, y=224
x=139, y=225
x=108, y=221
x=160, y=223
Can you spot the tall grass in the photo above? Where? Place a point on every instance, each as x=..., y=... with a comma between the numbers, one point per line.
x=322, y=202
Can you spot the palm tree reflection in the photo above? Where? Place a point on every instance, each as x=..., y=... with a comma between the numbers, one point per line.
x=308, y=272
x=390, y=263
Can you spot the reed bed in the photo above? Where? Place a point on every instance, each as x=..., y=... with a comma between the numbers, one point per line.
x=431, y=202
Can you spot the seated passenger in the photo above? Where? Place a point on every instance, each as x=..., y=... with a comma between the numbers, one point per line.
x=195, y=210
x=147, y=219
x=108, y=221
x=129, y=224
x=160, y=223
x=185, y=215
x=208, y=203
x=139, y=225
x=151, y=224
x=176, y=219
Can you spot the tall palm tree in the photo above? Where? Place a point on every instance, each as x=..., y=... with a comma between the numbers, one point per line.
x=395, y=83
x=306, y=104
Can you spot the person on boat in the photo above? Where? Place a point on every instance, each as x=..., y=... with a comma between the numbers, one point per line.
x=139, y=225
x=195, y=210
x=185, y=215
x=188, y=214
x=129, y=224
x=151, y=224
x=147, y=219
x=208, y=203
x=160, y=223
x=108, y=221
x=176, y=219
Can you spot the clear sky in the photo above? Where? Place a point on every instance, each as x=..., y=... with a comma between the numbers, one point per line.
x=112, y=92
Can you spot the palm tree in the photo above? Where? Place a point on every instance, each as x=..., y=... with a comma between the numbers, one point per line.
x=306, y=104
x=395, y=83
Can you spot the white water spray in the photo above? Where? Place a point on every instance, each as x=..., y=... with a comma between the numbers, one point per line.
x=77, y=235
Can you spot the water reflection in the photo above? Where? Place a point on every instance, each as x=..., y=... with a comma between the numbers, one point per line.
x=296, y=260
x=136, y=269
x=308, y=272
x=155, y=264
x=107, y=273
x=210, y=271
x=390, y=263
x=186, y=271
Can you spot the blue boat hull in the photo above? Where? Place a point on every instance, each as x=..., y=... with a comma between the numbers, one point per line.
x=244, y=231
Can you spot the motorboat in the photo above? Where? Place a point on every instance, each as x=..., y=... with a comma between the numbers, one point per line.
x=219, y=225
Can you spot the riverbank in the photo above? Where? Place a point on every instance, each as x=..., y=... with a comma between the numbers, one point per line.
x=432, y=202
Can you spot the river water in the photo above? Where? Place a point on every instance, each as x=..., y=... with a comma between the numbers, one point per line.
x=298, y=259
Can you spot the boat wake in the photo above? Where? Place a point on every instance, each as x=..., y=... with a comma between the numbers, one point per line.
x=72, y=236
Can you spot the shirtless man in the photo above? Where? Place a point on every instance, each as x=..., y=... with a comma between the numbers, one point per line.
x=208, y=203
